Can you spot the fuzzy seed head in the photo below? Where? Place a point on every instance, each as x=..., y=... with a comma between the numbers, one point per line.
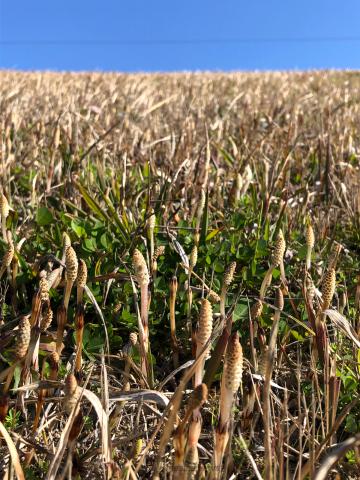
x=71, y=263
x=193, y=256
x=328, y=288
x=46, y=320
x=310, y=237
x=229, y=274
x=82, y=274
x=140, y=267
x=279, y=249
x=4, y=206
x=22, y=338
x=233, y=366
x=205, y=322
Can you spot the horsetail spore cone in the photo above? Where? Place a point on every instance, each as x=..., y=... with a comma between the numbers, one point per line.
x=310, y=242
x=22, y=340
x=71, y=263
x=81, y=280
x=279, y=250
x=8, y=257
x=328, y=288
x=277, y=259
x=228, y=278
x=140, y=268
x=46, y=319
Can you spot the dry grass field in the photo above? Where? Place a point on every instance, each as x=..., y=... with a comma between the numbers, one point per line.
x=180, y=276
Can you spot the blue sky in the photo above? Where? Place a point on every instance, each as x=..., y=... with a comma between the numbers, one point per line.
x=174, y=35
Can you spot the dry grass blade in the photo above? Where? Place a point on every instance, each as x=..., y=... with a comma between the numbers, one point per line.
x=13, y=453
x=343, y=325
x=103, y=421
x=337, y=452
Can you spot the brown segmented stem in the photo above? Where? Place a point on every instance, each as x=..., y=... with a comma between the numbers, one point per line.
x=61, y=322
x=79, y=333
x=53, y=360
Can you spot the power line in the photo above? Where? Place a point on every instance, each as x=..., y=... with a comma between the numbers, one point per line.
x=194, y=41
